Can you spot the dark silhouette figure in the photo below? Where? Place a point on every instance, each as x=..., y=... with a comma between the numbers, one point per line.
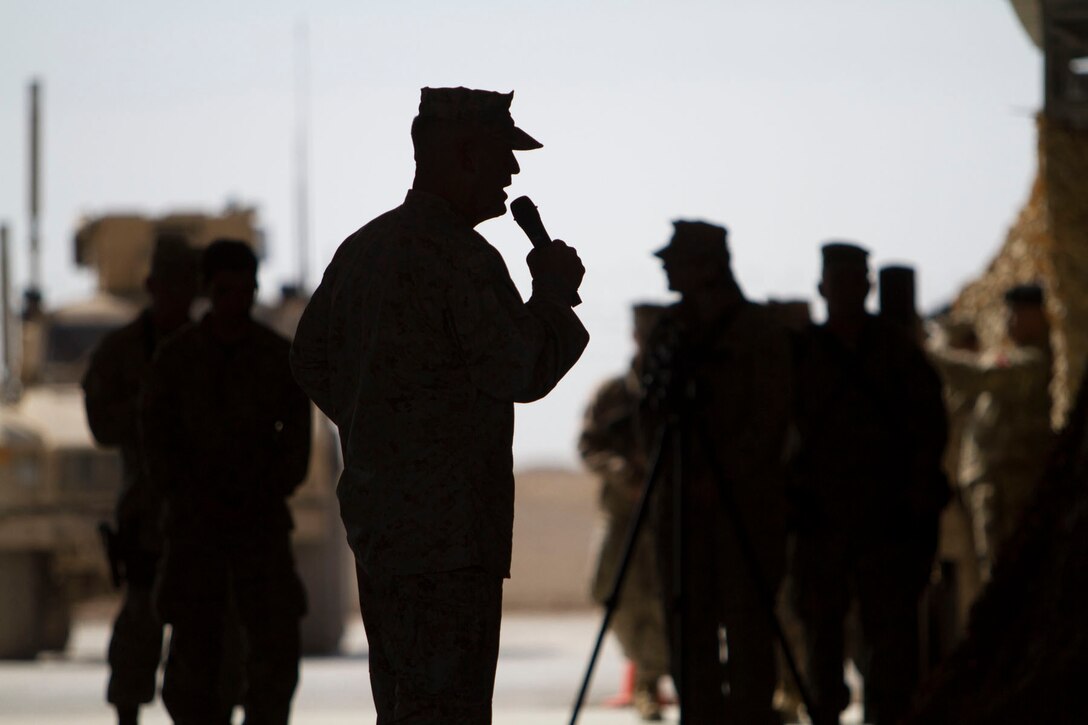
x=111, y=386
x=866, y=490
x=227, y=434
x=612, y=448
x=727, y=361
x=417, y=345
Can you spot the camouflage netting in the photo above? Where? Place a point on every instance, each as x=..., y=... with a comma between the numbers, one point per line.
x=1026, y=649
x=1026, y=652
x=1047, y=244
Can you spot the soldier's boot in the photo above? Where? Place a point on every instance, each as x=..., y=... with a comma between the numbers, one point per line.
x=646, y=702
x=128, y=714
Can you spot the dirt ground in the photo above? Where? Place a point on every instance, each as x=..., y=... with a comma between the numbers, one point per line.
x=556, y=530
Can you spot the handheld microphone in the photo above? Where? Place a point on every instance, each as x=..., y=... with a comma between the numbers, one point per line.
x=528, y=218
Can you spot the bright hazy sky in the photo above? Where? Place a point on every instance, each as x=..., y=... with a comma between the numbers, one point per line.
x=906, y=126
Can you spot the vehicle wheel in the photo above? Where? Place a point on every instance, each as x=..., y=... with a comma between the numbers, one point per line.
x=55, y=622
x=20, y=589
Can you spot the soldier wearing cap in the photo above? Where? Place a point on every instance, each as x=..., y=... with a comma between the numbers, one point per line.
x=725, y=363
x=866, y=490
x=1007, y=436
x=417, y=344
x=111, y=388
x=611, y=448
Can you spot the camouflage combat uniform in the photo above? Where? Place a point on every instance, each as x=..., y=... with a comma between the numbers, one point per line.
x=610, y=446
x=867, y=489
x=1007, y=437
x=228, y=438
x=740, y=365
x=417, y=345
x=112, y=389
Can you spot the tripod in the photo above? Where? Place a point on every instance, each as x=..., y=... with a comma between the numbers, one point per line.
x=671, y=437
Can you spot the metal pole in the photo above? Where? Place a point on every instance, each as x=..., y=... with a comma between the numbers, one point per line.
x=302, y=155
x=34, y=197
x=630, y=542
x=5, y=306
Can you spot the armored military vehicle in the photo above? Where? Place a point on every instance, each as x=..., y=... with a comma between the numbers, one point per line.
x=56, y=485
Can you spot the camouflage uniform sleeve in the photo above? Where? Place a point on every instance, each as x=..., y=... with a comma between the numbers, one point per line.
x=927, y=428
x=291, y=452
x=609, y=445
x=513, y=350
x=311, y=363
x=966, y=373
x=162, y=442
x=111, y=401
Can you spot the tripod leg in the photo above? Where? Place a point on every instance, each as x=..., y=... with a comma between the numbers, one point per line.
x=678, y=581
x=748, y=554
x=621, y=572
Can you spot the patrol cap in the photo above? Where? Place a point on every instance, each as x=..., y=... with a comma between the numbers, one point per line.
x=488, y=110
x=1025, y=294
x=836, y=253
x=897, y=288
x=695, y=240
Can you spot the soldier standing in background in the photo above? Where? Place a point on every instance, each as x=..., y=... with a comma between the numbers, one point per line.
x=726, y=364
x=866, y=491
x=1007, y=435
x=227, y=439
x=112, y=386
x=611, y=447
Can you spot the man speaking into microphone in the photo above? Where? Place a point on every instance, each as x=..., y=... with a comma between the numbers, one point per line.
x=417, y=345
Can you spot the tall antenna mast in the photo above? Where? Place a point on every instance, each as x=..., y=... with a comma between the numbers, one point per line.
x=302, y=160
x=34, y=199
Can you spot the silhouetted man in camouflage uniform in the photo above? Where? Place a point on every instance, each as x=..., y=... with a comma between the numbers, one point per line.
x=867, y=491
x=1007, y=436
x=228, y=439
x=417, y=345
x=111, y=386
x=728, y=362
x=611, y=447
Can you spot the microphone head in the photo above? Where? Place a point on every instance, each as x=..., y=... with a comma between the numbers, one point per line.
x=523, y=209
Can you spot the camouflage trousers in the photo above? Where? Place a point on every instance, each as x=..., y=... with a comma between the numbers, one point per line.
x=135, y=650
x=235, y=619
x=886, y=578
x=638, y=620
x=434, y=645
x=718, y=593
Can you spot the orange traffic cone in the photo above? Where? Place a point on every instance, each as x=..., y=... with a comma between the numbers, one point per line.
x=626, y=696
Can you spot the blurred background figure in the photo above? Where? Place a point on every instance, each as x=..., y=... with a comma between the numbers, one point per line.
x=1007, y=435
x=866, y=491
x=227, y=436
x=111, y=386
x=720, y=365
x=611, y=447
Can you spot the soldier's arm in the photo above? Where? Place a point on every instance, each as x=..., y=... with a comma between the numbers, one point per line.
x=608, y=432
x=512, y=350
x=162, y=441
x=111, y=402
x=967, y=374
x=311, y=362
x=292, y=448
